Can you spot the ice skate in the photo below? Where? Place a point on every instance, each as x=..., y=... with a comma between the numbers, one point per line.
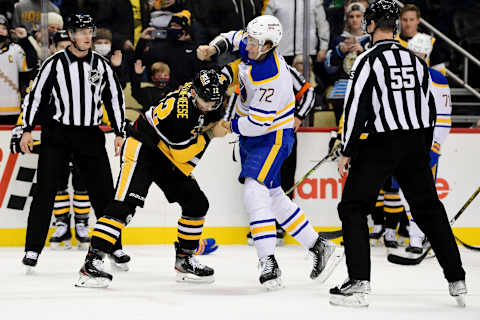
x=270, y=274
x=81, y=233
x=326, y=257
x=30, y=261
x=352, y=293
x=92, y=274
x=280, y=237
x=189, y=269
x=458, y=290
x=119, y=260
x=376, y=235
x=250, y=239
x=390, y=239
x=62, y=237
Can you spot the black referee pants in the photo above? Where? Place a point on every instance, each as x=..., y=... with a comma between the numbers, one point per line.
x=87, y=144
x=405, y=155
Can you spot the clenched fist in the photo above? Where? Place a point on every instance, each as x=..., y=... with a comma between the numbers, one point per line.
x=205, y=52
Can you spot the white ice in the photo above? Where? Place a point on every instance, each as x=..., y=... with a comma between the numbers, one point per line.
x=149, y=290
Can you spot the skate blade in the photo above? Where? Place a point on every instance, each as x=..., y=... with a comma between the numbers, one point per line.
x=83, y=246
x=122, y=267
x=29, y=270
x=85, y=281
x=334, y=260
x=191, y=278
x=273, y=285
x=461, y=300
x=59, y=246
x=356, y=300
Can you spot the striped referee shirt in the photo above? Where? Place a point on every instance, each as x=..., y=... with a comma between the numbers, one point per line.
x=304, y=96
x=76, y=87
x=389, y=89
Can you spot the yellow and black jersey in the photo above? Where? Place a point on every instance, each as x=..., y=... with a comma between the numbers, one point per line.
x=181, y=128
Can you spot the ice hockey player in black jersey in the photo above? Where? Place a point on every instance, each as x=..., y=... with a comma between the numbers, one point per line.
x=164, y=146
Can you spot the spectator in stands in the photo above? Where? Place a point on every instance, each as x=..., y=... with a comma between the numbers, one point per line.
x=27, y=13
x=290, y=13
x=14, y=59
x=351, y=43
x=6, y=8
x=103, y=45
x=60, y=41
x=150, y=95
x=409, y=20
x=177, y=51
x=336, y=19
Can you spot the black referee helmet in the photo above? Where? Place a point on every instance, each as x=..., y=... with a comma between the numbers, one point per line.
x=209, y=86
x=385, y=13
x=60, y=35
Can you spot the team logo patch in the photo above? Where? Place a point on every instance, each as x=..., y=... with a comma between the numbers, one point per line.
x=94, y=77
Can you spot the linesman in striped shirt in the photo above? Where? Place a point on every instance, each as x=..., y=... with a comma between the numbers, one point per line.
x=71, y=86
x=389, y=95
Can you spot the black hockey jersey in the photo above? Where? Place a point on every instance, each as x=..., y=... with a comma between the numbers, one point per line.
x=181, y=128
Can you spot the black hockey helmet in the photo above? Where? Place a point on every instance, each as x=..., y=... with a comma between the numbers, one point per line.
x=80, y=21
x=210, y=86
x=385, y=13
x=60, y=35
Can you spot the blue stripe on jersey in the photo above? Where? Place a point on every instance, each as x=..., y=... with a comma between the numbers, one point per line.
x=261, y=221
x=254, y=122
x=300, y=229
x=261, y=111
x=290, y=218
x=437, y=76
x=443, y=126
x=264, y=237
x=443, y=114
x=286, y=114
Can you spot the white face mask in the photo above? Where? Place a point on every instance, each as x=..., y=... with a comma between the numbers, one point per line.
x=103, y=49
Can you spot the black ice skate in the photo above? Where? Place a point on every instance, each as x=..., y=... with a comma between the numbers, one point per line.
x=458, y=290
x=280, y=237
x=390, y=239
x=352, y=293
x=119, y=260
x=189, y=269
x=92, y=274
x=30, y=261
x=326, y=257
x=270, y=274
x=62, y=237
x=81, y=233
x=376, y=235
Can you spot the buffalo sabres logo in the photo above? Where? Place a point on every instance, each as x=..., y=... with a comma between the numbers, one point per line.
x=94, y=77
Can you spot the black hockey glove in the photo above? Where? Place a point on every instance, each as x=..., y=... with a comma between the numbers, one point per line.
x=17, y=133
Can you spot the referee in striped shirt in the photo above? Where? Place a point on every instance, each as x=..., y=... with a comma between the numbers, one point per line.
x=72, y=85
x=389, y=97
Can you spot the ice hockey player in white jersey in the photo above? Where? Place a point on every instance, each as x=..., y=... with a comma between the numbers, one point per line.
x=266, y=138
x=13, y=60
x=421, y=45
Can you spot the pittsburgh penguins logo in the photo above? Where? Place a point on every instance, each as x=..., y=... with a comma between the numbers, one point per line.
x=94, y=77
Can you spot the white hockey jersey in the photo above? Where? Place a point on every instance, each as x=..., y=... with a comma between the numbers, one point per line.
x=12, y=61
x=267, y=101
x=443, y=104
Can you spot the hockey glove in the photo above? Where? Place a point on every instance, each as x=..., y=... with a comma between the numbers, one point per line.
x=335, y=144
x=17, y=133
x=206, y=246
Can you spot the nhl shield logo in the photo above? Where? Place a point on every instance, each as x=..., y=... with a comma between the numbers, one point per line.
x=94, y=77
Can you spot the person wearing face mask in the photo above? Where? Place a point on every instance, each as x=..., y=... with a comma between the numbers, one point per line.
x=148, y=96
x=177, y=51
x=103, y=46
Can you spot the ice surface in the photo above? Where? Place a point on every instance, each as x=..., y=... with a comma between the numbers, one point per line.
x=149, y=290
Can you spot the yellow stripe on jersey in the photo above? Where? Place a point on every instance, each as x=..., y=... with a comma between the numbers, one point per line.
x=240, y=112
x=262, y=119
x=24, y=65
x=440, y=85
x=299, y=220
x=271, y=128
x=104, y=237
x=187, y=154
x=271, y=156
x=130, y=154
x=186, y=168
x=285, y=108
x=444, y=120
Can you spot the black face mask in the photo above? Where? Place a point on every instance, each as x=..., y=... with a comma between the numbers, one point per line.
x=3, y=38
x=174, y=34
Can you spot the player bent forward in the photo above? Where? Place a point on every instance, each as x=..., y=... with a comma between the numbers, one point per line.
x=266, y=134
x=163, y=147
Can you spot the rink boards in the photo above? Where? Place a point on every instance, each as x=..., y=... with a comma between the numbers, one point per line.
x=458, y=178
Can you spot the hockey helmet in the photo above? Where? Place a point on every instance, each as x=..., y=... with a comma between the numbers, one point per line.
x=265, y=28
x=80, y=21
x=210, y=86
x=421, y=43
x=385, y=13
x=60, y=35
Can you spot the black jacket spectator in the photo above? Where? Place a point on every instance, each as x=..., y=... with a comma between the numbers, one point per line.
x=122, y=21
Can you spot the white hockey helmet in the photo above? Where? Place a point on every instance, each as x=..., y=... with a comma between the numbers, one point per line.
x=265, y=28
x=421, y=43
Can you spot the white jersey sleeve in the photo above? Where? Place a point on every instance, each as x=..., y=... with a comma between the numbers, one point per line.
x=443, y=104
x=233, y=39
x=20, y=59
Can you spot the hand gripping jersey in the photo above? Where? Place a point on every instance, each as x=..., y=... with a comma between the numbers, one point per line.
x=267, y=102
x=180, y=127
x=12, y=61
